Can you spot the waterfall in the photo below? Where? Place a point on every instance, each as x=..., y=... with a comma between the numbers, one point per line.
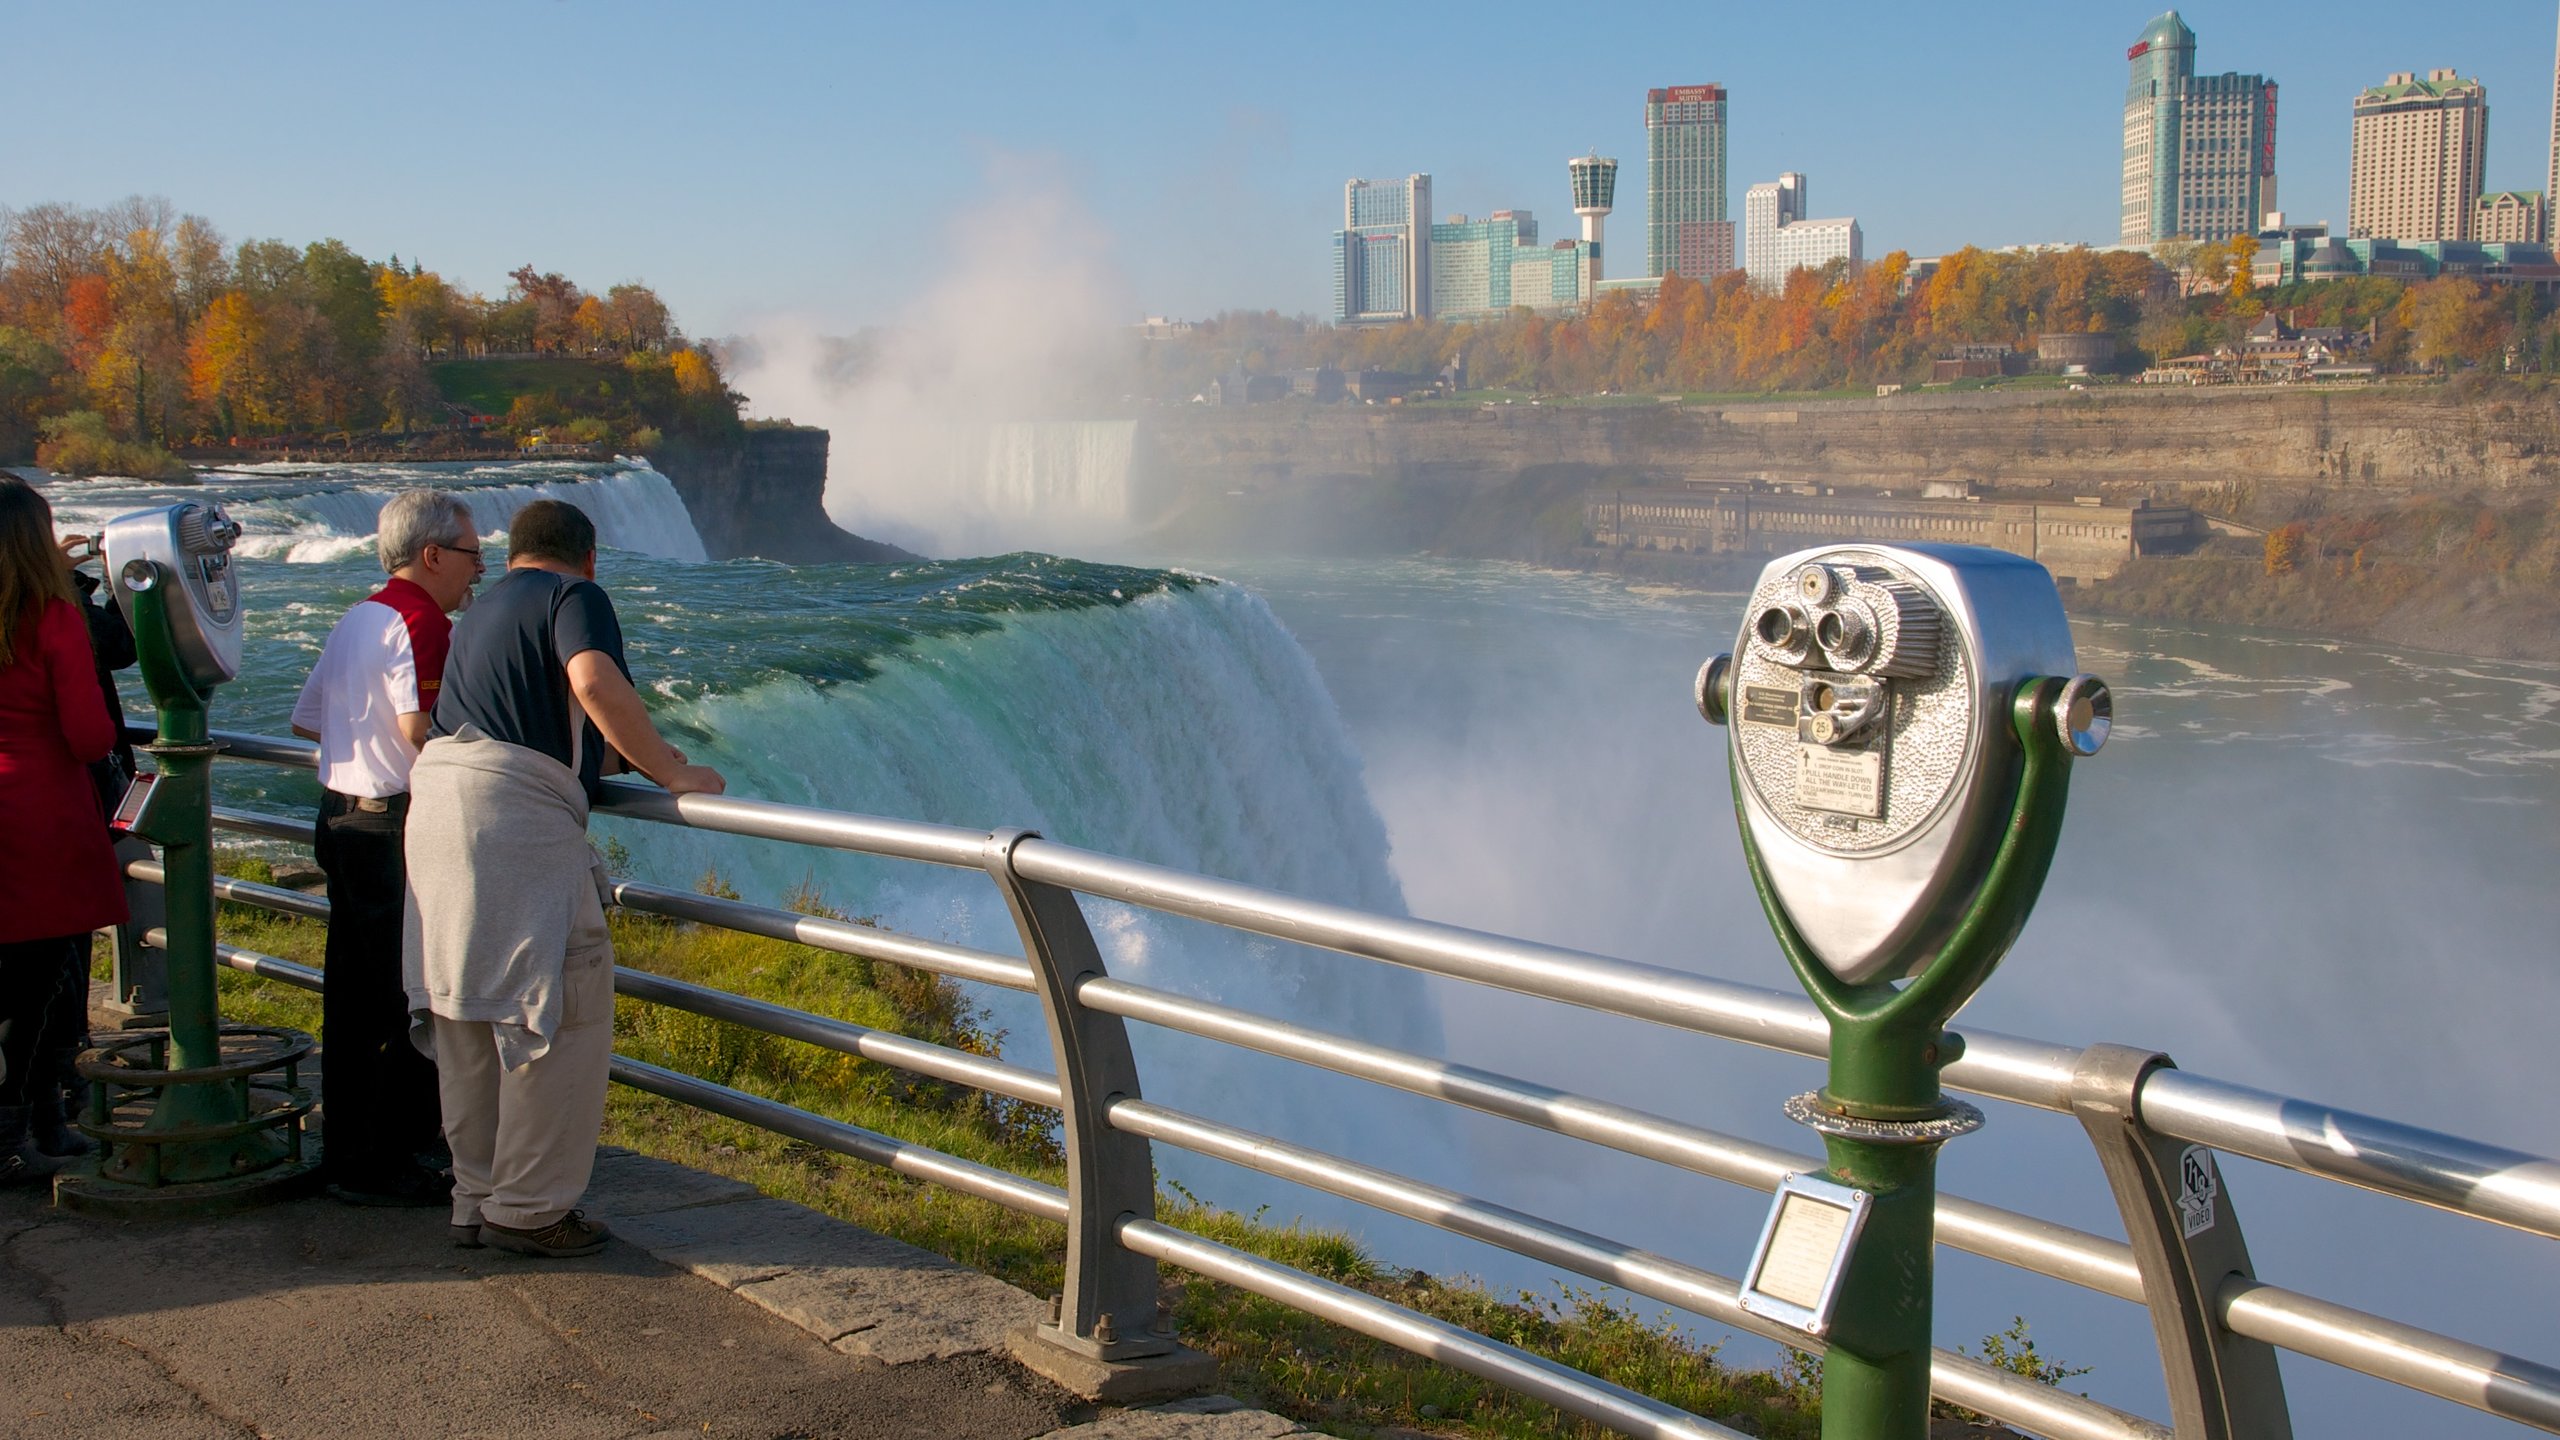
x=977, y=489
x=304, y=514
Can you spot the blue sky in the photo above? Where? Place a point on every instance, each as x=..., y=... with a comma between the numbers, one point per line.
x=756, y=159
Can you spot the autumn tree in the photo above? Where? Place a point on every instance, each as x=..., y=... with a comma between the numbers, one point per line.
x=2454, y=321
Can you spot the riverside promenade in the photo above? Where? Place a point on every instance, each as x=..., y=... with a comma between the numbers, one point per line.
x=718, y=1311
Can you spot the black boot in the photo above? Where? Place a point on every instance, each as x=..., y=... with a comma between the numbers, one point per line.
x=49, y=1118
x=21, y=1163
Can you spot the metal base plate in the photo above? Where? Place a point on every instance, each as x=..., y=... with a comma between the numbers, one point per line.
x=1958, y=1118
x=88, y=1193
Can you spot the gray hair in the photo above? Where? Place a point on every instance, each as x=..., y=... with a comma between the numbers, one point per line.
x=416, y=519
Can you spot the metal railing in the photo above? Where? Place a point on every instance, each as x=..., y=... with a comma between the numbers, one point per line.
x=2218, y=1325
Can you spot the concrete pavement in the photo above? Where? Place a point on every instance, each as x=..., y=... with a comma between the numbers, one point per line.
x=720, y=1311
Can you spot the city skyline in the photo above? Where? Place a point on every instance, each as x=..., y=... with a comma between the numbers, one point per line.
x=816, y=162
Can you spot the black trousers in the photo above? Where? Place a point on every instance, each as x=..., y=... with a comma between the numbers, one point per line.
x=378, y=1094
x=31, y=976
x=66, y=1030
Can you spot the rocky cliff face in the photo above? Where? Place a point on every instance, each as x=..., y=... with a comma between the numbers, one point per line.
x=765, y=495
x=2425, y=516
x=2092, y=442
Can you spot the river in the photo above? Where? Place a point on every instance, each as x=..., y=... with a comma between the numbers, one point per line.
x=2319, y=868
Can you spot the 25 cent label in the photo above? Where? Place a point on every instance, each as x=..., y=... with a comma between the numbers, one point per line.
x=1843, y=782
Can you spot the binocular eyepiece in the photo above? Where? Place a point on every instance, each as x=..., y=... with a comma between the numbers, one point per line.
x=1868, y=697
x=1859, y=620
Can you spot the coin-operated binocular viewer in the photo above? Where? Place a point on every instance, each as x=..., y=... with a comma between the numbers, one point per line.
x=1902, y=721
x=200, y=1117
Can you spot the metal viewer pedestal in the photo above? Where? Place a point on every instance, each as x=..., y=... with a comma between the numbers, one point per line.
x=199, y=1118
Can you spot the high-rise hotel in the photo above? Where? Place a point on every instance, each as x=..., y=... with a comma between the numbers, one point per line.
x=1382, y=253
x=1685, y=225
x=2199, y=150
x=2420, y=149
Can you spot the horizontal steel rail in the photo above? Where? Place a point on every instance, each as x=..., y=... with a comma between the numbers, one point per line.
x=844, y=937
x=254, y=822
x=2473, y=1375
x=2506, y=1187
x=2503, y=1186
x=937, y=1062
x=1562, y=1386
x=797, y=824
x=1997, y=1393
x=2074, y=1256
x=916, y=1162
x=244, y=892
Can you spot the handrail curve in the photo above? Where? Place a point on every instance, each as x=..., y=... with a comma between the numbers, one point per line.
x=1109, y=1201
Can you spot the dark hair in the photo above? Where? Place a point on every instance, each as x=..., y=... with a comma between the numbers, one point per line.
x=552, y=530
x=31, y=569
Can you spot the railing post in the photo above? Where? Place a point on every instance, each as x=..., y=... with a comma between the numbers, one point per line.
x=1103, y=1341
x=2187, y=1243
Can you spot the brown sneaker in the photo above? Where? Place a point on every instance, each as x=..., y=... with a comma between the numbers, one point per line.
x=569, y=1236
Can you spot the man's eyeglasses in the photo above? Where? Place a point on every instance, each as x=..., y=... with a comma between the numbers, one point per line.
x=471, y=550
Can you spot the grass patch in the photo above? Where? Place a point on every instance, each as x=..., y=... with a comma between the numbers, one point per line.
x=1271, y=1355
x=490, y=386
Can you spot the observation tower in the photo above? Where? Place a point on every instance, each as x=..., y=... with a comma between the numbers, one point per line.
x=1595, y=186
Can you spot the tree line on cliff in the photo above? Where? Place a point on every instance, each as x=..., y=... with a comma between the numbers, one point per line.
x=131, y=328
x=1883, y=324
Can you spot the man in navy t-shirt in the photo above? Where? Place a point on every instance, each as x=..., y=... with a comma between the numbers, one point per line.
x=511, y=960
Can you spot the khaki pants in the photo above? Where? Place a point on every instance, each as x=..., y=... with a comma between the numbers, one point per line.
x=524, y=1140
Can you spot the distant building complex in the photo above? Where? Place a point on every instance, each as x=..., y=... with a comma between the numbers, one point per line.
x=1765, y=207
x=2420, y=146
x=1779, y=240
x=1483, y=268
x=1382, y=253
x=1686, y=228
x=2511, y=217
x=2199, y=150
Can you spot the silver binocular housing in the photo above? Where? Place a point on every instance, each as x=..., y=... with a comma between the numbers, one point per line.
x=185, y=548
x=1867, y=708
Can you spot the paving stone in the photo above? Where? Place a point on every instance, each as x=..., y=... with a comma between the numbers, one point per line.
x=1205, y=1417
x=628, y=1183
x=863, y=1293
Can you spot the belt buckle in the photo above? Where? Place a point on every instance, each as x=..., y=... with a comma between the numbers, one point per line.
x=373, y=804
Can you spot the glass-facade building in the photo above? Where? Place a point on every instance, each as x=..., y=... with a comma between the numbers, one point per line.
x=2293, y=257
x=2199, y=150
x=1382, y=253
x=1686, y=227
x=1481, y=269
x=1471, y=262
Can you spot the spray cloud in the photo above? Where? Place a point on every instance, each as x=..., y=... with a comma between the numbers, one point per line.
x=964, y=426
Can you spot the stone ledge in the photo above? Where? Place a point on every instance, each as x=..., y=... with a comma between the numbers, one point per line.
x=1207, y=1417
x=1112, y=1382
x=861, y=1293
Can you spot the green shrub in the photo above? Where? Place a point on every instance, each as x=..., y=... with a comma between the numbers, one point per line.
x=78, y=444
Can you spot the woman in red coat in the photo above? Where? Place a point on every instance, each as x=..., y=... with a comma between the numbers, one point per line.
x=58, y=877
